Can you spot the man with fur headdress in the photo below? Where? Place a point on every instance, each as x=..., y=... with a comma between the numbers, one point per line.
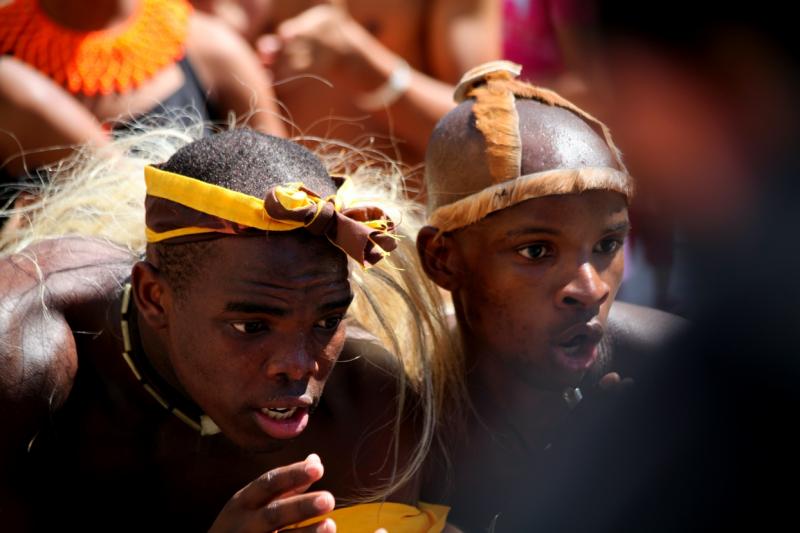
x=528, y=213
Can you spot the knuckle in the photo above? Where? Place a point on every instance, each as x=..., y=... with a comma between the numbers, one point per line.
x=272, y=514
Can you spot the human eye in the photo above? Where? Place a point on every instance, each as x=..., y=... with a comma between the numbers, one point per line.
x=330, y=323
x=249, y=327
x=537, y=250
x=609, y=245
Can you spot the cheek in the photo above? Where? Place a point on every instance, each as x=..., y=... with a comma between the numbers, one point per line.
x=506, y=308
x=201, y=360
x=614, y=274
x=330, y=353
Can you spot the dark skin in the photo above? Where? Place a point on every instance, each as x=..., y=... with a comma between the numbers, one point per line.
x=533, y=286
x=65, y=382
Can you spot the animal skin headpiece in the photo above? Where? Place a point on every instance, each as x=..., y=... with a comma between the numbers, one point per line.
x=494, y=88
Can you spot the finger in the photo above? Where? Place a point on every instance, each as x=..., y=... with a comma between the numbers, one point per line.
x=313, y=465
x=271, y=485
x=268, y=48
x=291, y=28
x=609, y=381
x=287, y=511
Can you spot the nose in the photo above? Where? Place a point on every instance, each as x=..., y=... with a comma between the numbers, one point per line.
x=584, y=289
x=294, y=364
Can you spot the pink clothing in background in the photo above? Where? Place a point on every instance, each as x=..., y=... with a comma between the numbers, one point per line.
x=530, y=35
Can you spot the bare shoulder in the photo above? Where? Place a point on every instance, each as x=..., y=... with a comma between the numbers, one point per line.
x=633, y=330
x=61, y=270
x=44, y=289
x=366, y=370
x=212, y=45
x=363, y=398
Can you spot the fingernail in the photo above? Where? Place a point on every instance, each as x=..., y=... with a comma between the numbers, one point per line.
x=324, y=502
x=313, y=457
x=313, y=468
x=327, y=526
x=268, y=44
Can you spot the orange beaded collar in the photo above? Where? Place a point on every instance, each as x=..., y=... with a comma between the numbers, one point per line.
x=97, y=62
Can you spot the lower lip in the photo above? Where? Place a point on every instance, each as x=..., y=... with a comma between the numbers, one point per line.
x=577, y=361
x=283, y=429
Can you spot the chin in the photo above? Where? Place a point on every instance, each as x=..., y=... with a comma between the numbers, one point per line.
x=545, y=376
x=257, y=443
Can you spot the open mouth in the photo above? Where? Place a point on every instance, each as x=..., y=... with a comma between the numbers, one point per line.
x=576, y=350
x=284, y=418
x=279, y=413
x=574, y=347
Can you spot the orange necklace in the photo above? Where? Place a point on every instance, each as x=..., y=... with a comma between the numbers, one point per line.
x=97, y=62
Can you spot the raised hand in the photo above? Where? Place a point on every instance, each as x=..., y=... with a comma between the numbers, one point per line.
x=277, y=499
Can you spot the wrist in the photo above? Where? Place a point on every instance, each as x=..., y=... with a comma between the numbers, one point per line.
x=395, y=85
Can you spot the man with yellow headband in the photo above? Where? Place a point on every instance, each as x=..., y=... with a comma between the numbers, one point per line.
x=144, y=395
x=528, y=213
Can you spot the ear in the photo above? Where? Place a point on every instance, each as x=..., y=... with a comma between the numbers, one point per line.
x=151, y=294
x=439, y=257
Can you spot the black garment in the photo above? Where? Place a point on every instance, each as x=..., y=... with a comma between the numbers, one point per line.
x=189, y=104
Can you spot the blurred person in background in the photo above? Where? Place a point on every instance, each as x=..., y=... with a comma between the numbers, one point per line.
x=122, y=62
x=375, y=74
x=549, y=39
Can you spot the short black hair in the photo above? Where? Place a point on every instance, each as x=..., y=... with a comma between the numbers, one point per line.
x=241, y=160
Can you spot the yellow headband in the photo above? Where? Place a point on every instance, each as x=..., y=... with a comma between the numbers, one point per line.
x=179, y=208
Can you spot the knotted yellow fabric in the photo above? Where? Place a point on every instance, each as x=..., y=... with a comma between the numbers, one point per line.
x=393, y=517
x=182, y=209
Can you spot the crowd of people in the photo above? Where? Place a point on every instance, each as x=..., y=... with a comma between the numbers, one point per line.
x=381, y=266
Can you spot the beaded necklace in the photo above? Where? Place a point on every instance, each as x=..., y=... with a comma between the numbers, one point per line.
x=97, y=62
x=151, y=383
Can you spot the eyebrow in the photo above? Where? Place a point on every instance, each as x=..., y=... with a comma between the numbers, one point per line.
x=250, y=307
x=338, y=304
x=622, y=226
x=525, y=231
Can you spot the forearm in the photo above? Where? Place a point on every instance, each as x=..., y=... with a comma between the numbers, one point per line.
x=410, y=116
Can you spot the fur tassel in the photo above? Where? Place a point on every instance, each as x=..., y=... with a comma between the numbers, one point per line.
x=548, y=183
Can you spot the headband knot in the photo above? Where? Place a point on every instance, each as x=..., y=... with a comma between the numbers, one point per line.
x=365, y=233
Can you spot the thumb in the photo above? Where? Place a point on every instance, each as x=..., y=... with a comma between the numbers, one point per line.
x=268, y=46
